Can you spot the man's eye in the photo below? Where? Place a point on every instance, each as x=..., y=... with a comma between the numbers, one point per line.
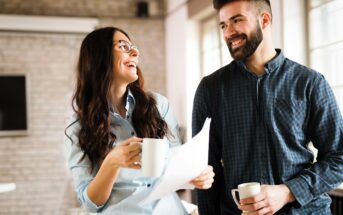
x=237, y=20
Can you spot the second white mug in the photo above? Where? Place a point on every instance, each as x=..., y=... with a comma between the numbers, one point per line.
x=246, y=190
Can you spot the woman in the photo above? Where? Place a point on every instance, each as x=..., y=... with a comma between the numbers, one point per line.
x=112, y=114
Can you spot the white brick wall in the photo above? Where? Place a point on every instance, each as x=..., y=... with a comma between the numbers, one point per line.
x=36, y=163
x=93, y=8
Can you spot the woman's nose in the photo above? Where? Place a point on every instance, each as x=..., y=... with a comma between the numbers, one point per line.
x=134, y=52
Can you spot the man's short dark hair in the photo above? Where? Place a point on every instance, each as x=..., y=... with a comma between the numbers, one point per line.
x=261, y=4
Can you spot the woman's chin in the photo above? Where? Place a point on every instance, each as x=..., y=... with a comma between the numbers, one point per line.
x=134, y=77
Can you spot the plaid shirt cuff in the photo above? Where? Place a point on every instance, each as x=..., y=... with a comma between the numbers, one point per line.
x=301, y=190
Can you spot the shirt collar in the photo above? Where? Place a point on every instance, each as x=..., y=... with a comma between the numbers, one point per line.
x=130, y=102
x=276, y=62
x=129, y=99
x=271, y=66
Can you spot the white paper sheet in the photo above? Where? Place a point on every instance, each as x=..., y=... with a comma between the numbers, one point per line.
x=185, y=163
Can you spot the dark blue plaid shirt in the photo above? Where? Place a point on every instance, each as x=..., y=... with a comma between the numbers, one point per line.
x=260, y=131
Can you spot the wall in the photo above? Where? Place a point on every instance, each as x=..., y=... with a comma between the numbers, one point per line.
x=278, y=25
x=36, y=163
x=176, y=28
x=197, y=11
x=295, y=30
x=89, y=8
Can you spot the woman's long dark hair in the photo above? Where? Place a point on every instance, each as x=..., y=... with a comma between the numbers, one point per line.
x=90, y=100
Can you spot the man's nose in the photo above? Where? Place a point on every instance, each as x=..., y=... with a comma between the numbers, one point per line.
x=229, y=31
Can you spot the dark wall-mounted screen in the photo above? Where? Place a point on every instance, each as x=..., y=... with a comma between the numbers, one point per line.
x=13, y=105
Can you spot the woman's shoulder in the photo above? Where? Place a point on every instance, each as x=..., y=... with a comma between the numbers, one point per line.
x=72, y=123
x=159, y=97
x=162, y=103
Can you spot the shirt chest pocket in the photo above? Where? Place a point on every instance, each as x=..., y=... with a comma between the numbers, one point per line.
x=290, y=115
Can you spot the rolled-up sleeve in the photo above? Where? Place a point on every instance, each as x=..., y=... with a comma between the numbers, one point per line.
x=80, y=168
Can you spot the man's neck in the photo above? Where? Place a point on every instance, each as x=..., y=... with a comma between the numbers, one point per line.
x=256, y=62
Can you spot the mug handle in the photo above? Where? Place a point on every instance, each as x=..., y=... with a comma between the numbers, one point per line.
x=233, y=193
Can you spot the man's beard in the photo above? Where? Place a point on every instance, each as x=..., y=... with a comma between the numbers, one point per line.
x=250, y=46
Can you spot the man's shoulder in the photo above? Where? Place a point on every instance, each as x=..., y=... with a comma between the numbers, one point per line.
x=219, y=74
x=301, y=70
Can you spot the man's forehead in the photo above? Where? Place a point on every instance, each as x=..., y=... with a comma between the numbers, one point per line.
x=235, y=9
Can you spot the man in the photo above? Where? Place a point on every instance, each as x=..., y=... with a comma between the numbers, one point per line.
x=265, y=110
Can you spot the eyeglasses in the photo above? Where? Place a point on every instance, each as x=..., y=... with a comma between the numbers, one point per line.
x=125, y=46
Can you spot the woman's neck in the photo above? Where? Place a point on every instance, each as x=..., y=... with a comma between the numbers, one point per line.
x=117, y=99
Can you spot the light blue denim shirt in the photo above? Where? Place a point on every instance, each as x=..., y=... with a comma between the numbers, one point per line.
x=131, y=185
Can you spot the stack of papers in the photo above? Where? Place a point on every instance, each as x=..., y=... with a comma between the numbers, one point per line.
x=185, y=164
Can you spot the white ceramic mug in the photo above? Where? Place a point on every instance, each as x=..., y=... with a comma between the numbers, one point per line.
x=246, y=190
x=154, y=153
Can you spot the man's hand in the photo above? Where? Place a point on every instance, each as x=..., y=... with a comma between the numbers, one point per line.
x=271, y=199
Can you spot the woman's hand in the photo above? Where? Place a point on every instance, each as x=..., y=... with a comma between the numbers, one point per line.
x=126, y=154
x=205, y=179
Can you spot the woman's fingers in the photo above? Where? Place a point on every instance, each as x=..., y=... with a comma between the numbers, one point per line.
x=135, y=165
x=208, y=170
x=127, y=154
x=206, y=174
x=205, y=179
x=134, y=147
x=136, y=158
x=132, y=140
x=203, y=184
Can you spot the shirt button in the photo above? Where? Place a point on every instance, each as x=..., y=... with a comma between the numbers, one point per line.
x=132, y=133
x=148, y=185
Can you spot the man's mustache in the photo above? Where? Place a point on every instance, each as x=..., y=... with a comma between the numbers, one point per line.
x=234, y=37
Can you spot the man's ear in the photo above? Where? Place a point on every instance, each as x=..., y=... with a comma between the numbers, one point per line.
x=265, y=20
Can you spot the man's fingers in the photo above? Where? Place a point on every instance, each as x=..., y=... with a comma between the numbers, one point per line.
x=253, y=207
x=253, y=199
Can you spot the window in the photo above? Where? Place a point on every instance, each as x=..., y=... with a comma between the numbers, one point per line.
x=214, y=52
x=326, y=42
